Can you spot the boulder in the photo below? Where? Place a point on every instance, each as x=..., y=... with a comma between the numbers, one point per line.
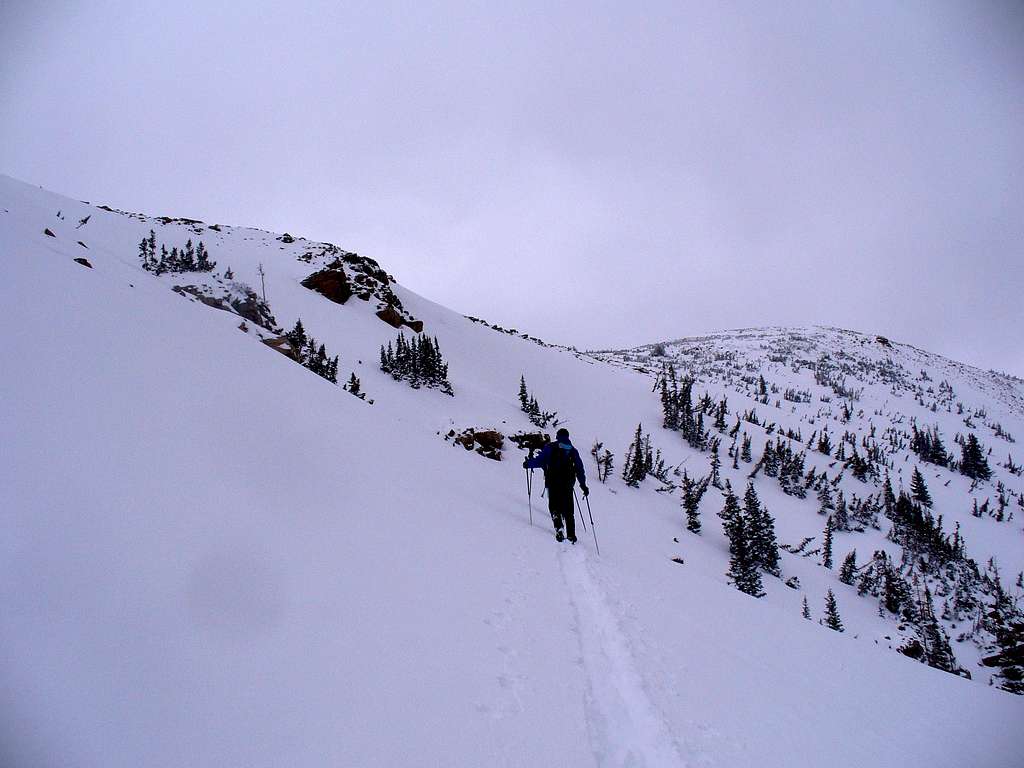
x=487, y=442
x=83, y=262
x=416, y=326
x=392, y=317
x=491, y=439
x=48, y=233
x=282, y=345
x=330, y=283
x=530, y=441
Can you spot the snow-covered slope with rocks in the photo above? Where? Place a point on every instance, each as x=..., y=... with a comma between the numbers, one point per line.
x=213, y=556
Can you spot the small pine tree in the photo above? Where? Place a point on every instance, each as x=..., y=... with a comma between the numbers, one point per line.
x=297, y=336
x=693, y=492
x=825, y=503
x=832, y=620
x=826, y=549
x=745, y=454
x=720, y=412
x=716, y=465
x=848, y=570
x=919, y=490
x=806, y=612
x=973, y=462
x=743, y=570
x=353, y=386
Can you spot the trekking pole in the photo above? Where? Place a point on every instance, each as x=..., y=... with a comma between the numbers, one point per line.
x=593, y=530
x=529, y=493
x=580, y=508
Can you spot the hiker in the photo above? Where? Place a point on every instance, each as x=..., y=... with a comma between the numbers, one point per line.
x=562, y=466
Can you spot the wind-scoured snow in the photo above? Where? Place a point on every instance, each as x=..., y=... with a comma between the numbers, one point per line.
x=211, y=556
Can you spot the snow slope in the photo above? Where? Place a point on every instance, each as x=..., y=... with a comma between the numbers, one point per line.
x=212, y=556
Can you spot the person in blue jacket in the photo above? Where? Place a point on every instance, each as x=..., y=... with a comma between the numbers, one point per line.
x=562, y=467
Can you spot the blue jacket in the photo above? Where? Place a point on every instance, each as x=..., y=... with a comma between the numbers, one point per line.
x=540, y=461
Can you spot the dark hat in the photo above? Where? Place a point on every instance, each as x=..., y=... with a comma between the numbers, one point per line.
x=562, y=434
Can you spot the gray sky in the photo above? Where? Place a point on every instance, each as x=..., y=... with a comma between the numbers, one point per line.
x=599, y=174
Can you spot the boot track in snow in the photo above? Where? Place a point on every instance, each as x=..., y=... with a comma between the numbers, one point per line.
x=626, y=729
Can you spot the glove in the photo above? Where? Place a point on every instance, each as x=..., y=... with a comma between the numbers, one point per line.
x=586, y=491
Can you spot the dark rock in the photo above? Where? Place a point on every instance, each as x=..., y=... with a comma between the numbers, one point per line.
x=391, y=316
x=490, y=439
x=913, y=649
x=330, y=283
x=883, y=341
x=83, y=262
x=286, y=238
x=83, y=245
x=48, y=233
x=487, y=442
x=1010, y=656
x=416, y=326
x=530, y=441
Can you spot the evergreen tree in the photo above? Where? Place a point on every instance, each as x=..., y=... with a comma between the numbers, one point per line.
x=745, y=454
x=353, y=386
x=832, y=620
x=825, y=498
x=636, y=467
x=297, y=337
x=716, y=465
x=937, y=651
x=203, y=263
x=841, y=518
x=743, y=571
x=524, y=397
x=824, y=443
x=693, y=492
x=848, y=570
x=888, y=497
x=720, y=412
x=761, y=529
x=826, y=550
x=769, y=460
x=806, y=612
x=973, y=463
x=919, y=489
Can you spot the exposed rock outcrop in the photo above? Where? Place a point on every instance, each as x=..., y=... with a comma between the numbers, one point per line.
x=331, y=283
x=486, y=442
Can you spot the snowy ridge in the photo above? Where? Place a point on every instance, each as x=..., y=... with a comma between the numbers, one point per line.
x=215, y=557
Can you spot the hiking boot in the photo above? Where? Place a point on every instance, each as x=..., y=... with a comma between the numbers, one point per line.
x=572, y=539
x=559, y=536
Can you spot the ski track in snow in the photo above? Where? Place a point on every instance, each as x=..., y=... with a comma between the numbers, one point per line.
x=626, y=729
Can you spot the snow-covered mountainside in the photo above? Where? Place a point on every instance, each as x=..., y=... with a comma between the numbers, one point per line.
x=214, y=556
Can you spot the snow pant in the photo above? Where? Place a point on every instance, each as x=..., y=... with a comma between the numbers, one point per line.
x=561, y=508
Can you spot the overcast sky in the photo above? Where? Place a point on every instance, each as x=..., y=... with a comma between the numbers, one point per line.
x=599, y=174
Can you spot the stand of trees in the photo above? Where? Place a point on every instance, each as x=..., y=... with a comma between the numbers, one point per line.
x=312, y=355
x=188, y=259
x=418, y=361
x=528, y=404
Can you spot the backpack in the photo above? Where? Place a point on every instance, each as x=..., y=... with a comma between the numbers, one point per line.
x=561, y=469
